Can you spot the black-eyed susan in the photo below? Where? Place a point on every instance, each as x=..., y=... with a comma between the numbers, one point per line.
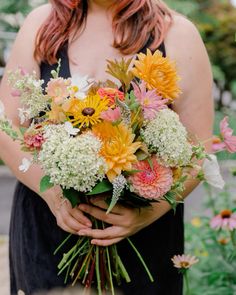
x=86, y=112
x=159, y=73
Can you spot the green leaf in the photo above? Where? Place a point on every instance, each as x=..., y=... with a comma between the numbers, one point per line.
x=22, y=130
x=45, y=184
x=101, y=187
x=72, y=195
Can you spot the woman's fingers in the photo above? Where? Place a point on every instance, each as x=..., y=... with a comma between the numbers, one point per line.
x=79, y=215
x=110, y=232
x=105, y=243
x=99, y=202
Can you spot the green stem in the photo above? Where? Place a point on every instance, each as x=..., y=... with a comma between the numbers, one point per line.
x=186, y=283
x=142, y=261
x=62, y=244
x=123, y=270
x=211, y=200
x=232, y=235
x=98, y=272
x=109, y=271
x=136, y=116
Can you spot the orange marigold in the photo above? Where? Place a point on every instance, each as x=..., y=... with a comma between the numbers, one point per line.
x=159, y=73
x=118, y=147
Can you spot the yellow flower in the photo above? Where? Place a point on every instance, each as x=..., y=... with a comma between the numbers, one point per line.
x=196, y=222
x=85, y=112
x=159, y=73
x=118, y=147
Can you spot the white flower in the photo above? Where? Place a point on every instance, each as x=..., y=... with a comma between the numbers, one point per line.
x=70, y=129
x=211, y=172
x=82, y=83
x=26, y=163
x=167, y=137
x=20, y=292
x=2, y=110
x=23, y=115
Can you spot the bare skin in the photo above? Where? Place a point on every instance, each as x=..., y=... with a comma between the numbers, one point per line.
x=195, y=107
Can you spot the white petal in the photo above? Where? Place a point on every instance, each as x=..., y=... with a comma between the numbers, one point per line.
x=2, y=110
x=212, y=173
x=70, y=129
x=26, y=163
x=83, y=83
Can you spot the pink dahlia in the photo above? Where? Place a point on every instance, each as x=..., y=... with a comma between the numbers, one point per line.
x=111, y=115
x=226, y=141
x=111, y=94
x=33, y=141
x=225, y=220
x=149, y=101
x=58, y=89
x=151, y=182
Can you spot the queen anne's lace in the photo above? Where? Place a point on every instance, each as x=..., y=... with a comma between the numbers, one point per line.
x=167, y=137
x=72, y=162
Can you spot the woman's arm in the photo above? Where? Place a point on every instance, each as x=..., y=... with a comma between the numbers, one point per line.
x=195, y=108
x=22, y=55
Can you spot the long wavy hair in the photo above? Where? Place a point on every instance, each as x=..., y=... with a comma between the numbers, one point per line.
x=134, y=23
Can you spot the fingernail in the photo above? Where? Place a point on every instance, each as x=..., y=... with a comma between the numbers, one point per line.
x=88, y=224
x=81, y=233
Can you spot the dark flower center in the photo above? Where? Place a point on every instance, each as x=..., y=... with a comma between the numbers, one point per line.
x=226, y=213
x=88, y=111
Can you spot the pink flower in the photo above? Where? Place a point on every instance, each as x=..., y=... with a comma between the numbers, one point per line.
x=111, y=94
x=16, y=93
x=111, y=115
x=58, y=89
x=150, y=102
x=151, y=182
x=226, y=141
x=34, y=139
x=184, y=261
x=225, y=220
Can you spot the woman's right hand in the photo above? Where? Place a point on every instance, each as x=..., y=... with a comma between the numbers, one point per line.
x=70, y=219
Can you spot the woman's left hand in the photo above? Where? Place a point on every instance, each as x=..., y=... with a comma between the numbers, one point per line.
x=124, y=221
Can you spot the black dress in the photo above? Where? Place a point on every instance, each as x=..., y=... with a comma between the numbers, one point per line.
x=34, y=235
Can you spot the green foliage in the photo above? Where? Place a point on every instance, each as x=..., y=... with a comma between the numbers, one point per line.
x=215, y=272
x=45, y=183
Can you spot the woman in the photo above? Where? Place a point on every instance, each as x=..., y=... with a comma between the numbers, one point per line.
x=84, y=34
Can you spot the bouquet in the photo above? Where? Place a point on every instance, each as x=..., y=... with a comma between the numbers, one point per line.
x=122, y=139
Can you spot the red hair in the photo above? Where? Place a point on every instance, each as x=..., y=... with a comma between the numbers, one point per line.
x=134, y=23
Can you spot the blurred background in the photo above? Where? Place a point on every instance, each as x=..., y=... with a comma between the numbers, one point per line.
x=216, y=21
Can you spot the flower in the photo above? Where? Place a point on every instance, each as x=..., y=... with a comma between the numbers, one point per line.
x=118, y=147
x=56, y=114
x=167, y=137
x=25, y=165
x=118, y=183
x=225, y=220
x=33, y=141
x=111, y=115
x=211, y=171
x=184, y=261
x=80, y=85
x=223, y=241
x=86, y=112
x=196, y=222
x=149, y=101
x=70, y=129
x=2, y=110
x=151, y=182
x=72, y=162
x=226, y=141
x=111, y=94
x=158, y=72
x=58, y=89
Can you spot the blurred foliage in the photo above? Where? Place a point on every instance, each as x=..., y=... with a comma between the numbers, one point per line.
x=216, y=249
x=215, y=20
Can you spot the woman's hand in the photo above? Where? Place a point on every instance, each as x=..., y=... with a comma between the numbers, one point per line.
x=69, y=219
x=124, y=221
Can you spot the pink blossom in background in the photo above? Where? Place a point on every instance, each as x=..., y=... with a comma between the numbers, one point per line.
x=111, y=115
x=58, y=89
x=16, y=93
x=151, y=182
x=225, y=220
x=227, y=141
x=23, y=71
x=184, y=261
x=150, y=102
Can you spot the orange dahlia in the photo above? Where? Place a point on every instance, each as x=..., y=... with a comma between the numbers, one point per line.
x=151, y=182
x=118, y=147
x=159, y=73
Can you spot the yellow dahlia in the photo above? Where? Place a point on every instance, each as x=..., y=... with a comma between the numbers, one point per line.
x=118, y=147
x=85, y=112
x=159, y=73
